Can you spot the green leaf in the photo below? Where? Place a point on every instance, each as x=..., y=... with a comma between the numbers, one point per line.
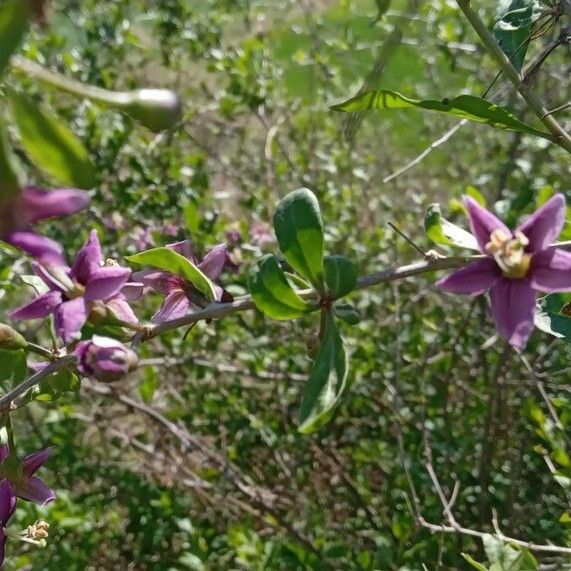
x=465, y=106
x=440, y=231
x=327, y=381
x=504, y=557
x=170, y=261
x=273, y=294
x=149, y=384
x=474, y=563
x=340, y=275
x=553, y=315
x=13, y=368
x=525, y=561
x=299, y=231
x=56, y=385
x=347, y=312
x=50, y=143
x=513, y=25
x=14, y=16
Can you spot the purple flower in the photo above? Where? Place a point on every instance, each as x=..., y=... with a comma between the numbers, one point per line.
x=517, y=265
x=29, y=207
x=72, y=292
x=26, y=485
x=178, y=291
x=261, y=234
x=105, y=359
x=7, y=508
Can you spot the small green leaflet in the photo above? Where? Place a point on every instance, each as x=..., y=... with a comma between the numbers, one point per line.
x=56, y=385
x=440, y=231
x=327, y=381
x=340, y=275
x=465, y=106
x=13, y=368
x=553, y=315
x=474, y=563
x=513, y=26
x=273, y=294
x=171, y=261
x=14, y=16
x=504, y=557
x=299, y=231
x=50, y=143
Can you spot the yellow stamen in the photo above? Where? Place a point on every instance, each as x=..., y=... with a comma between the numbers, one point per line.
x=509, y=253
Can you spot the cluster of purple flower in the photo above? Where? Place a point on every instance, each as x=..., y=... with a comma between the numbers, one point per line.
x=19, y=481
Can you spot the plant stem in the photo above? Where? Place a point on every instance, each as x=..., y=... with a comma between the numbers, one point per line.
x=560, y=136
x=104, y=96
x=218, y=310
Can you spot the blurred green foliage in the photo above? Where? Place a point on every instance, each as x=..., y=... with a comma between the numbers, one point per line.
x=257, y=79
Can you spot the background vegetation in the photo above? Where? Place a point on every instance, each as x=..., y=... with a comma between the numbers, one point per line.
x=194, y=461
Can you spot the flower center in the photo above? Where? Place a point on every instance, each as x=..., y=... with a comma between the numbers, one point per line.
x=509, y=253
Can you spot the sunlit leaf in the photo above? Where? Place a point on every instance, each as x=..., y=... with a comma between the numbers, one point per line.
x=513, y=25
x=440, y=231
x=553, y=315
x=299, y=231
x=327, y=381
x=171, y=261
x=14, y=16
x=340, y=275
x=50, y=143
x=465, y=106
x=273, y=294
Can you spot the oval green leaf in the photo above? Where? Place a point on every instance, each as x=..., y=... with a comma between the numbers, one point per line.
x=50, y=143
x=340, y=275
x=513, y=25
x=170, y=261
x=299, y=231
x=327, y=381
x=273, y=294
x=465, y=106
x=553, y=315
x=14, y=16
x=440, y=231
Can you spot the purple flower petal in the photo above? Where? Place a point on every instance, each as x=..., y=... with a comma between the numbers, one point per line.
x=39, y=247
x=70, y=317
x=55, y=277
x=184, y=248
x=474, y=279
x=161, y=282
x=32, y=462
x=7, y=502
x=40, y=307
x=34, y=490
x=544, y=225
x=132, y=290
x=214, y=262
x=175, y=305
x=551, y=270
x=105, y=282
x=88, y=259
x=483, y=223
x=121, y=310
x=38, y=204
x=513, y=307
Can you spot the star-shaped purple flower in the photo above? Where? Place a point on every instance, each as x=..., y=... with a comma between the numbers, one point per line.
x=7, y=508
x=31, y=206
x=179, y=292
x=72, y=291
x=517, y=265
x=28, y=486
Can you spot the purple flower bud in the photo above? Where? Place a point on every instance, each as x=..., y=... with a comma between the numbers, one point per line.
x=105, y=359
